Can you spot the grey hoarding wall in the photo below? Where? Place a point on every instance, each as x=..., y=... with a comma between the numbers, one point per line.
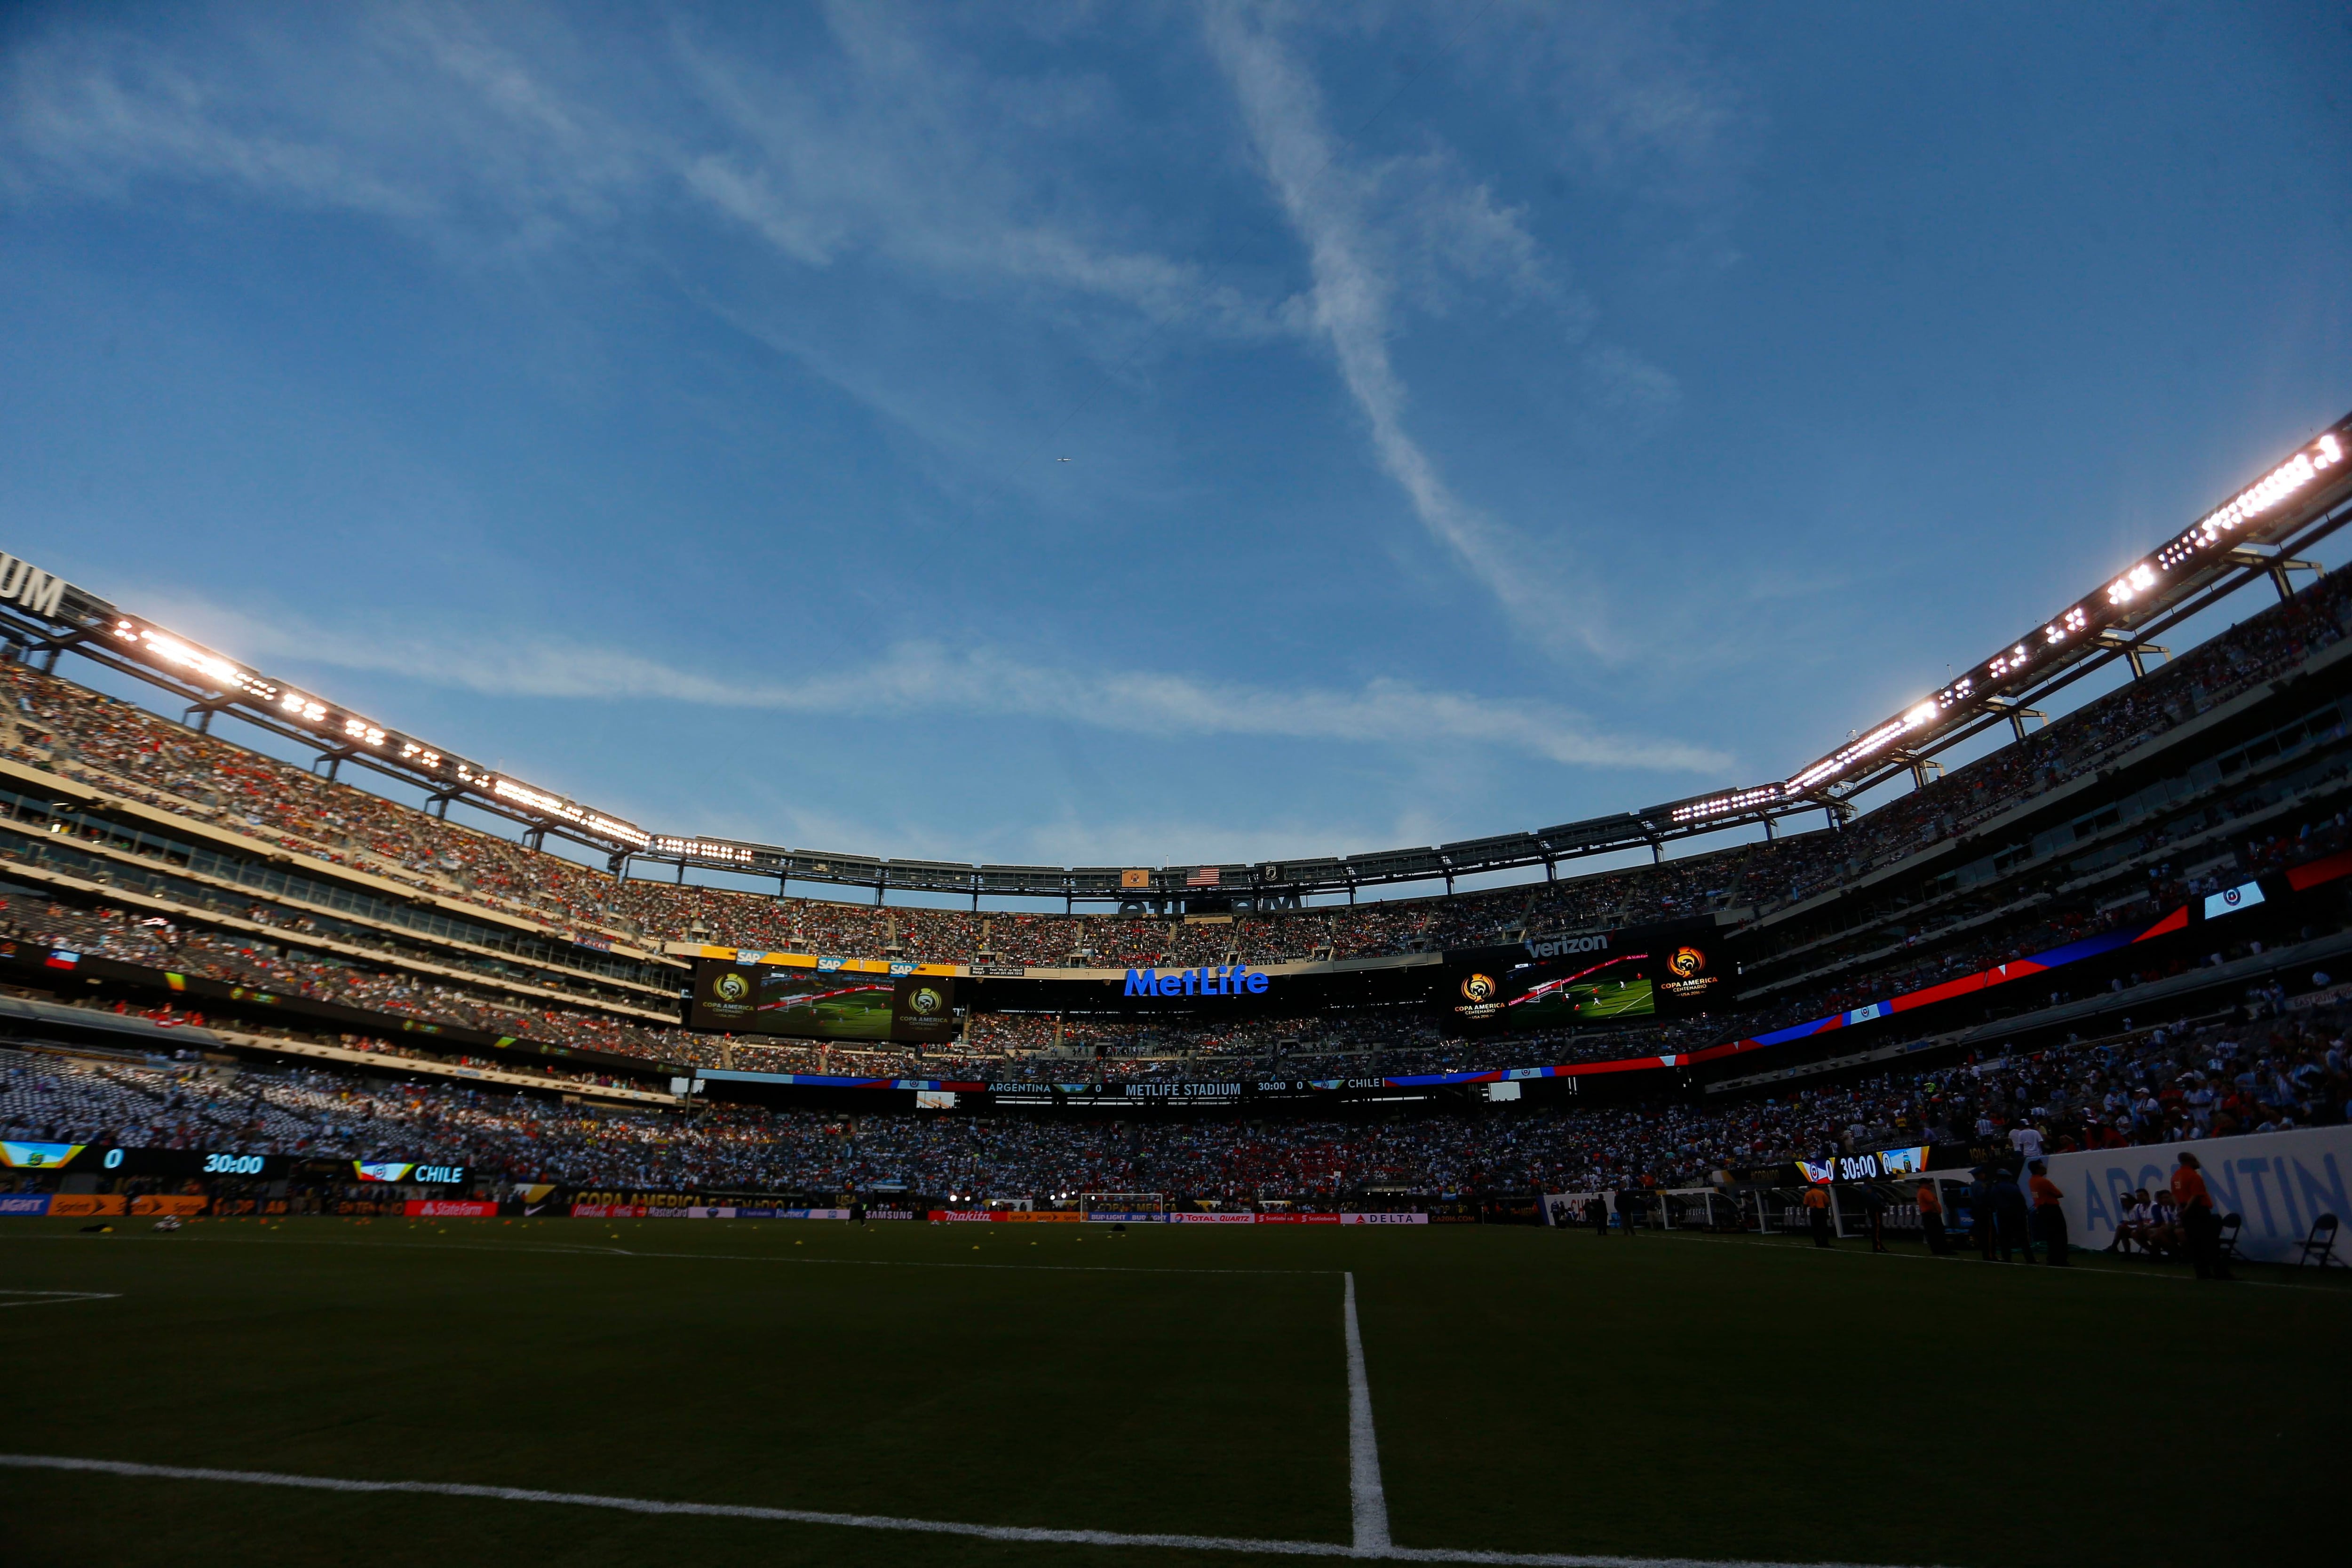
x=2279, y=1182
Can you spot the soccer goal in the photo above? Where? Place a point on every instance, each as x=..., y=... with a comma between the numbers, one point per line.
x=1123, y=1206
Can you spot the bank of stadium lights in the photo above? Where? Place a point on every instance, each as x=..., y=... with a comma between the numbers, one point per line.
x=2278, y=485
x=555, y=806
x=701, y=849
x=2106, y=607
x=186, y=656
x=1727, y=805
x=160, y=647
x=1853, y=752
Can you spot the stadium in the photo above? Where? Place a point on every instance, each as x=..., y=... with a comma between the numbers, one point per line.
x=267, y=1006
x=1149, y=787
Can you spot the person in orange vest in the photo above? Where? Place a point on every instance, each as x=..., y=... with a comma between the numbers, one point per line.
x=1817, y=1212
x=2198, y=1218
x=2049, y=1217
x=1931, y=1219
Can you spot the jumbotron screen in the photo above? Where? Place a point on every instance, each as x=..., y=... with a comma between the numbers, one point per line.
x=1550, y=995
x=822, y=1004
x=1602, y=977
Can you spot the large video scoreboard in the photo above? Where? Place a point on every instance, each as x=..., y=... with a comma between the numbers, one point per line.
x=827, y=1003
x=1595, y=977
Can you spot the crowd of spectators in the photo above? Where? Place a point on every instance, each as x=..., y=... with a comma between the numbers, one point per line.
x=1000, y=1048
x=117, y=747
x=285, y=969
x=2265, y=1070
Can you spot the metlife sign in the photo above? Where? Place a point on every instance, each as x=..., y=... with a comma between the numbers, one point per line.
x=1226, y=980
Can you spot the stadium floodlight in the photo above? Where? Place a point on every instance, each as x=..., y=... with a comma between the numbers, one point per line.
x=1730, y=805
x=2183, y=556
x=343, y=733
x=186, y=656
x=701, y=849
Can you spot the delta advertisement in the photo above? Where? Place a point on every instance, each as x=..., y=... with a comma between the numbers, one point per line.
x=1589, y=977
x=823, y=1002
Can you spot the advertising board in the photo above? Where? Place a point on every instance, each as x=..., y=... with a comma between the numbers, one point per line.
x=2279, y=1183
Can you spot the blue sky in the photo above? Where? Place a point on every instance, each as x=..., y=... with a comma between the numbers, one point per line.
x=1139, y=433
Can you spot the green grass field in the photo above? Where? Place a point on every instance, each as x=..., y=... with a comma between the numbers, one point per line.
x=1534, y=1391
x=863, y=1014
x=1610, y=999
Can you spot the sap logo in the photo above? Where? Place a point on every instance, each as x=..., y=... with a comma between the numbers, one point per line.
x=1562, y=946
x=30, y=587
x=1234, y=980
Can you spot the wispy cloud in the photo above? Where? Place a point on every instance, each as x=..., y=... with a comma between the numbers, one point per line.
x=499, y=131
x=102, y=115
x=924, y=676
x=927, y=162
x=1351, y=307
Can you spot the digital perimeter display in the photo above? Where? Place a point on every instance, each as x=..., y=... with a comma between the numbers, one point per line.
x=822, y=1004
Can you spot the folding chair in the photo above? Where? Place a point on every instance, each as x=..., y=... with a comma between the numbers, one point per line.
x=2319, y=1246
x=2226, y=1238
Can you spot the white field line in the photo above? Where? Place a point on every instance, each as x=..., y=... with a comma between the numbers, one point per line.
x=58, y=1298
x=876, y=1521
x=1366, y=1497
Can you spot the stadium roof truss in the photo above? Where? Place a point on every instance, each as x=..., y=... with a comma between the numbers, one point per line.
x=2253, y=536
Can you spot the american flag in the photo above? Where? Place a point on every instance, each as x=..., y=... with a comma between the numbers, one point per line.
x=1204, y=877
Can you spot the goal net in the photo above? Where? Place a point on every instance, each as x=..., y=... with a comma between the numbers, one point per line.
x=1123, y=1206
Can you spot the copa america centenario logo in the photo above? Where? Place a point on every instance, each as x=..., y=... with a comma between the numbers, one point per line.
x=1478, y=988
x=923, y=1000
x=1688, y=963
x=731, y=987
